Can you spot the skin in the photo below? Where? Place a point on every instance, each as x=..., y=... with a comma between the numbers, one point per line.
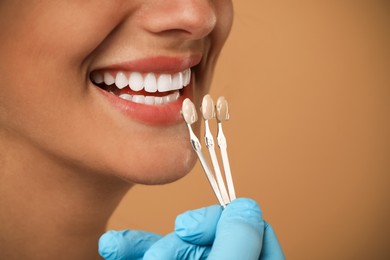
x=66, y=159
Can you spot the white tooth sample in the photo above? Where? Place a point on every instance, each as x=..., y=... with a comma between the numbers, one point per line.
x=126, y=96
x=140, y=99
x=108, y=79
x=158, y=100
x=97, y=78
x=208, y=107
x=177, y=81
x=136, y=81
x=121, y=80
x=189, y=112
x=149, y=100
x=150, y=83
x=164, y=83
x=222, y=109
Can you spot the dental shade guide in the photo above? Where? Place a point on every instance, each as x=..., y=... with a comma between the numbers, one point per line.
x=223, y=115
x=191, y=116
x=209, y=112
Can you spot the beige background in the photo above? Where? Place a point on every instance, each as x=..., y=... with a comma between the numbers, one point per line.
x=308, y=83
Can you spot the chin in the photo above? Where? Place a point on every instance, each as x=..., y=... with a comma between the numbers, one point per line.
x=157, y=156
x=173, y=172
x=162, y=169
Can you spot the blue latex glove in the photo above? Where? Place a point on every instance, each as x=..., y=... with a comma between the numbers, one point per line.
x=238, y=232
x=126, y=244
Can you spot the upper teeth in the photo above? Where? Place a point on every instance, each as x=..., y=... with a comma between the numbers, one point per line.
x=150, y=82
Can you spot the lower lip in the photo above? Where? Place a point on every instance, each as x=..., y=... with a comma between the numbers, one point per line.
x=150, y=114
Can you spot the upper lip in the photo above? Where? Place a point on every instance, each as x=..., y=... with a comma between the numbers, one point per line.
x=157, y=64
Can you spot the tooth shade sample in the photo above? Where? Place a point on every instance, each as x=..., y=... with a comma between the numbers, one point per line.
x=189, y=112
x=208, y=108
x=222, y=109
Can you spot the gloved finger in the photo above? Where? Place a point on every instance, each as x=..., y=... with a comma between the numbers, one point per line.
x=271, y=247
x=126, y=244
x=171, y=247
x=239, y=232
x=198, y=226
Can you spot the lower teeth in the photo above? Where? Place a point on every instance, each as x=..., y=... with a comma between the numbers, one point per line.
x=151, y=100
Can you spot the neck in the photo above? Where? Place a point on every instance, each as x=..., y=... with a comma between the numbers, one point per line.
x=52, y=211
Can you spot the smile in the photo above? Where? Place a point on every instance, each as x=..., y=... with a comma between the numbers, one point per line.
x=149, y=90
x=143, y=88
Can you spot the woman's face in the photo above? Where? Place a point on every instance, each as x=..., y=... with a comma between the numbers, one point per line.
x=97, y=85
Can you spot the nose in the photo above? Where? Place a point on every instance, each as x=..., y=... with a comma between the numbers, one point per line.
x=193, y=19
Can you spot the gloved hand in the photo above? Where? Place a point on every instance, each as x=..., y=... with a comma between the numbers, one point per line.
x=126, y=244
x=238, y=232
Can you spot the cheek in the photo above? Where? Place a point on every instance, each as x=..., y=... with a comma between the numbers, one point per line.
x=64, y=32
x=41, y=67
x=225, y=20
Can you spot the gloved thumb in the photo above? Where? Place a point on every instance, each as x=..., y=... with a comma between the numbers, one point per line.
x=239, y=233
x=198, y=226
